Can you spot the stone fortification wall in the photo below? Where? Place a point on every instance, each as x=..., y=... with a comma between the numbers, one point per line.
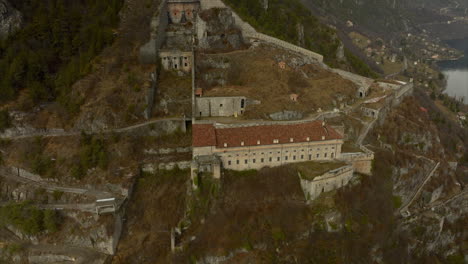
x=159, y=23
x=220, y=106
x=286, y=45
x=361, y=161
x=405, y=91
x=362, y=82
x=329, y=181
x=393, y=101
x=250, y=33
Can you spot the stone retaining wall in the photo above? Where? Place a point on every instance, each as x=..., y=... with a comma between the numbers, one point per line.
x=151, y=168
x=329, y=181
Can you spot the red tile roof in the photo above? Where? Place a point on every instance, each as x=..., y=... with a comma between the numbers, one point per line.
x=203, y=135
x=208, y=135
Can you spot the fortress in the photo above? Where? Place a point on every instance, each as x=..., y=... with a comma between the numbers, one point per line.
x=187, y=26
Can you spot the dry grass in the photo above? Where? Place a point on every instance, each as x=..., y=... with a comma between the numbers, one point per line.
x=257, y=75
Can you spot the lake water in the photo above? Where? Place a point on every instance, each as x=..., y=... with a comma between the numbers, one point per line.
x=457, y=71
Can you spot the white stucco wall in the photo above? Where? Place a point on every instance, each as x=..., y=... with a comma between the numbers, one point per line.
x=257, y=157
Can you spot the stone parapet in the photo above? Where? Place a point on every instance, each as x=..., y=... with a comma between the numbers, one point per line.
x=329, y=181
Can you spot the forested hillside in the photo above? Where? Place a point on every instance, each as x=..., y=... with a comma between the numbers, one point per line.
x=54, y=48
x=284, y=18
x=385, y=16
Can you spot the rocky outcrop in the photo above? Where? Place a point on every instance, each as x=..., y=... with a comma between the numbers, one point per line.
x=10, y=19
x=216, y=30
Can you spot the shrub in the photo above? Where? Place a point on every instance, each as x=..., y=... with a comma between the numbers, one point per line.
x=50, y=221
x=55, y=47
x=5, y=121
x=28, y=219
x=397, y=201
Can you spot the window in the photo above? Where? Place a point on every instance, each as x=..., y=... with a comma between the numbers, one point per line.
x=185, y=57
x=278, y=158
x=323, y=137
x=269, y=159
x=237, y=161
x=291, y=140
x=242, y=103
x=242, y=143
x=294, y=157
x=302, y=157
x=325, y=155
x=333, y=147
x=308, y=138
x=258, y=143
x=333, y=155
x=225, y=145
x=253, y=160
x=318, y=155
x=186, y=64
x=229, y=163
x=262, y=160
x=275, y=141
x=285, y=157
x=175, y=66
x=310, y=157
x=246, y=161
x=220, y=105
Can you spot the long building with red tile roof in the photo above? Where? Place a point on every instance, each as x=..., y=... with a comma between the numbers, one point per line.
x=241, y=147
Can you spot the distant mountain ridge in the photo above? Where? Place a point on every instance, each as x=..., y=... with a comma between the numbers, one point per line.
x=387, y=16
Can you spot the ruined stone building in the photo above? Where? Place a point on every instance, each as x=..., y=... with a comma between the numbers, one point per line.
x=182, y=11
x=176, y=52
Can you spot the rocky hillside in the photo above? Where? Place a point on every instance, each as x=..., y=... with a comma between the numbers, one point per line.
x=10, y=19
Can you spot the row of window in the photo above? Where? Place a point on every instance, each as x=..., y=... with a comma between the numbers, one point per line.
x=286, y=151
x=175, y=58
x=278, y=159
x=275, y=141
